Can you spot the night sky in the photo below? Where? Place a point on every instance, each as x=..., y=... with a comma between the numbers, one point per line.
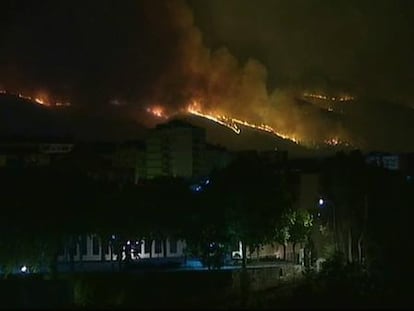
x=365, y=46
x=117, y=57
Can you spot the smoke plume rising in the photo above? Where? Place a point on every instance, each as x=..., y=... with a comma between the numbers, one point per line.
x=114, y=59
x=223, y=85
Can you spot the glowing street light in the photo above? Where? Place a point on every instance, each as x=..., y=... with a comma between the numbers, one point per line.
x=24, y=269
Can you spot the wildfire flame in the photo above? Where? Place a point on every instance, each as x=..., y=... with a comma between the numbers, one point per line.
x=325, y=97
x=157, y=111
x=41, y=99
x=25, y=97
x=194, y=109
x=334, y=141
x=232, y=123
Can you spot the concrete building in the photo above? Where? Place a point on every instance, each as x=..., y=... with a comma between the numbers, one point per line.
x=176, y=149
x=89, y=248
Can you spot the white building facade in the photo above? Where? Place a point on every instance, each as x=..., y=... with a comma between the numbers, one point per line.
x=90, y=248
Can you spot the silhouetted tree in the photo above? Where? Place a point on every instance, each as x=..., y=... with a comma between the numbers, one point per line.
x=300, y=226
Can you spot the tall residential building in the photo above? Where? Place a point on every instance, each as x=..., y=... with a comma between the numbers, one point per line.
x=176, y=149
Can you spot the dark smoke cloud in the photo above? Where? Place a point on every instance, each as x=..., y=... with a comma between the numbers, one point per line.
x=250, y=58
x=345, y=47
x=363, y=45
x=330, y=49
x=224, y=85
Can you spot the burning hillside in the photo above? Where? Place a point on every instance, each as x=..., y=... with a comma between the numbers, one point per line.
x=321, y=85
x=233, y=124
x=40, y=98
x=216, y=86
